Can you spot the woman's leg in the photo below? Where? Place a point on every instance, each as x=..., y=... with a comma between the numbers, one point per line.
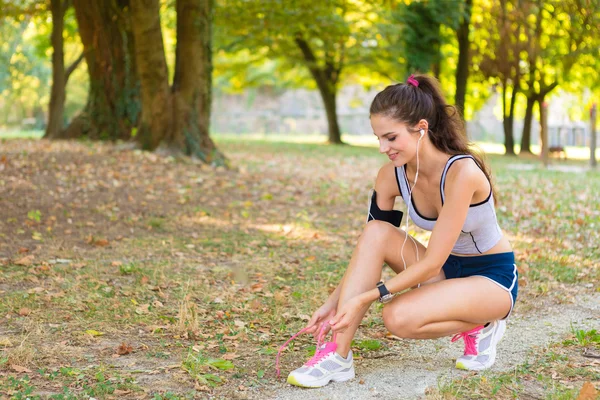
x=380, y=242
x=446, y=307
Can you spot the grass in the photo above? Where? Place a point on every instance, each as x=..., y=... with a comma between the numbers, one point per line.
x=558, y=371
x=185, y=264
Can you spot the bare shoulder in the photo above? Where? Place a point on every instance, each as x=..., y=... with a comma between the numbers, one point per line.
x=386, y=183
x=466, y=174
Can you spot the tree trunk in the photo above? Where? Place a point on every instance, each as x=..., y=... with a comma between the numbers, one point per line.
x=113, y=100
x=593, y=137
x=57, y=93
x=543, y=130
x=526, y=138
x=326, y=79
x=156, y=116
x=462, y=69
x=192, y=83
x=507, y=120
x=329, y=100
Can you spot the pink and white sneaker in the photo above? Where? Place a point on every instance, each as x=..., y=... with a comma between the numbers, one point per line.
x=325, y=366
x=480, y=346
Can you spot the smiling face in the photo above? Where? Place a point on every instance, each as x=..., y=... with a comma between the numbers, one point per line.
x=395, y=140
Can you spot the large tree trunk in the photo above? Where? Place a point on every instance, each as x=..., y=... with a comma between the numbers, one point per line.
x=192, y=82
x=57, y=94
x=462, y=69
x=156, y=118
x=326, y=79
x=329, y=100
x=113, y=100
x=526, y=138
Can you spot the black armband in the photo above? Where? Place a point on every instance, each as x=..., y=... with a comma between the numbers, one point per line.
x=394, y=217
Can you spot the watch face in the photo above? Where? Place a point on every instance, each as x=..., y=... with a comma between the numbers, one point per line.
x=387, y=298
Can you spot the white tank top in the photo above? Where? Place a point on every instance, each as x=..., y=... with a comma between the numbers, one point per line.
x=480, y=231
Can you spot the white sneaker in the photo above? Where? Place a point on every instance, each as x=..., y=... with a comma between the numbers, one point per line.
x=480, y=346
x=325, y=366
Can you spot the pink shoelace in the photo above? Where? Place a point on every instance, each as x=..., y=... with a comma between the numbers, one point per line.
x=319, y=353
x=470, y=338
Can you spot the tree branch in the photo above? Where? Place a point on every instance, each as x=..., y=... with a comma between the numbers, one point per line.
x=72, y=67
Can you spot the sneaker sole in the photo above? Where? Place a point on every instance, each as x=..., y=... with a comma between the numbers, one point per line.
x=317, y=383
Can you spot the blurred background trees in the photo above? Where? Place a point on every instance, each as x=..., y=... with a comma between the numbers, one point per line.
x=151, y=67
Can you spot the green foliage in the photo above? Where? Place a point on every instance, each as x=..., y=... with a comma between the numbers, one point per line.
x=35, y=215
x=197, y=365
x=26, y=75
x=257, y=41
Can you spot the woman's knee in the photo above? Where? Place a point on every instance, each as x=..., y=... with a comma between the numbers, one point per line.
x=375, y=231
x=400, y=323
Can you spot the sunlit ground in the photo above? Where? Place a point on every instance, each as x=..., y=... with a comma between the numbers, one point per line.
x=573, y=153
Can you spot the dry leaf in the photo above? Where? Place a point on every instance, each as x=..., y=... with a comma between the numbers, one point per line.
x=587, y=392
x=24, y=311
x=5, y=342
x=239, y=324
x=101, y=242
x=23, y=250
x=116, y=263
x=26, y=261
x=391, y=336
x=18, y=368
x=92, y=332
x=230, y=356
x=143, y=309
x=124, y=348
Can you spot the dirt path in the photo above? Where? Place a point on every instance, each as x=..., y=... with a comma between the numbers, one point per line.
x=419, y=365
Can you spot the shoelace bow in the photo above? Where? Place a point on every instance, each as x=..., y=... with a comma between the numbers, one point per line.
x=318, y=352
x=470, y=338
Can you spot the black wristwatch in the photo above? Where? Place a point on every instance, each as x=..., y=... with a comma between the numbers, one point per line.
x=384, y=294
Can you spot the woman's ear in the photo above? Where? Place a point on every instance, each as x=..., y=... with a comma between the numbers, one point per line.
x=424, y=125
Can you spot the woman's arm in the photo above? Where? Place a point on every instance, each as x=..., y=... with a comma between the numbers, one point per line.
x=461, y=184
x=387, y=191
x=386, y=187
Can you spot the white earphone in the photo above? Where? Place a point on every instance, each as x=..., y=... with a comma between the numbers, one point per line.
x=422, y=132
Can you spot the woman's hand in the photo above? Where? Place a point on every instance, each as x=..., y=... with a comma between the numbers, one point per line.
x=322, y=315
x=349, y=313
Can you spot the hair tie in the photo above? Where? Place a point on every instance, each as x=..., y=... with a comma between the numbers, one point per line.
x=411, y=79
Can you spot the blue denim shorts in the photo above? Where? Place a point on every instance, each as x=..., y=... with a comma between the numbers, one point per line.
x=499, y=268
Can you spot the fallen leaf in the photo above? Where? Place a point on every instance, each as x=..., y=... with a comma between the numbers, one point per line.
x=239, y=324
x=143, y=309
x=124, y=348
x=23, y=250
x=5, y=342
x=116, y=263
x=587, y=392
x=391, y=336
x=24, y=311
x=18, y=368
x=26, y=261
x=101, y=242
x=92, y=332
x=230, y=356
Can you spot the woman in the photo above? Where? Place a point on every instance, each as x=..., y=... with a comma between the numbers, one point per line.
x=464, y=283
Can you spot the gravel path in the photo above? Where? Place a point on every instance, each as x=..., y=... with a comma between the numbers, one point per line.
x=421, y=363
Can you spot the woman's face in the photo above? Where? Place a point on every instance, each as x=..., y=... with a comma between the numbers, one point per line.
x=395, y=140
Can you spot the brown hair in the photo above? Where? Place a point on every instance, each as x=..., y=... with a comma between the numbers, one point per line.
x=409, y=104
